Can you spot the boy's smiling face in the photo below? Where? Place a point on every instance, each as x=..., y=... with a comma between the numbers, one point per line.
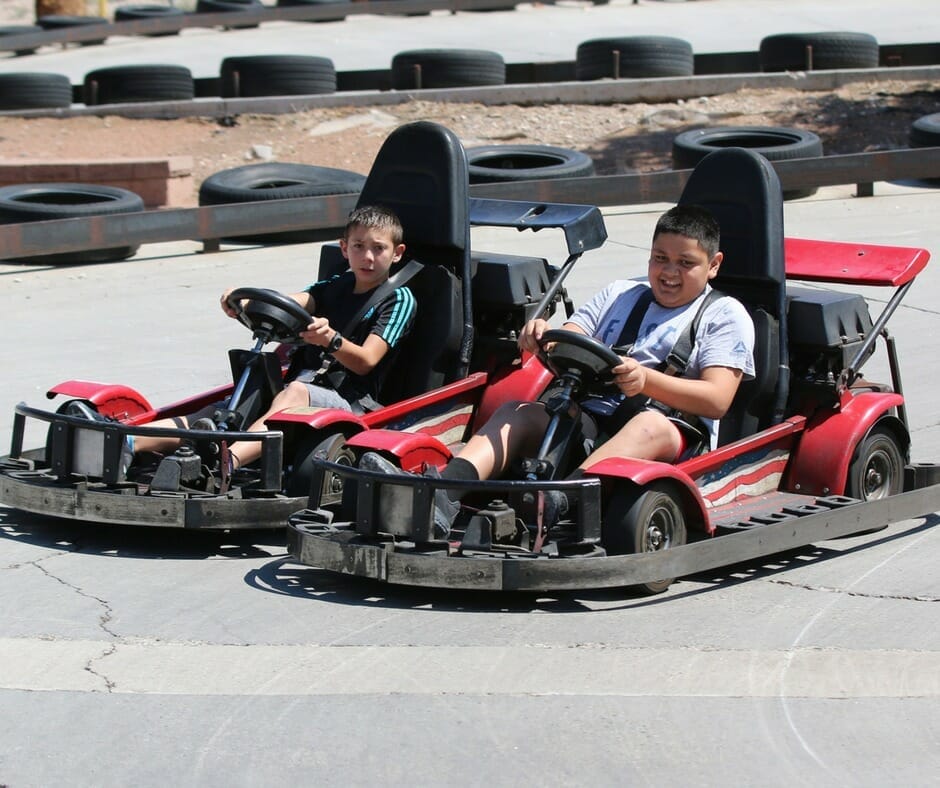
x=371, y=253
x=679, y=269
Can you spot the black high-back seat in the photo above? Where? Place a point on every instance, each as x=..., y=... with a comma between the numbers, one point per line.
x=743, y=192
x=421, y=174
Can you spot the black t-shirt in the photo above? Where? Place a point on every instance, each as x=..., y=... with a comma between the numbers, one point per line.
x=391, y=319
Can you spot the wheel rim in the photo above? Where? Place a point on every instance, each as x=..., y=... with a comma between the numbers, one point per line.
x=878, y=476
x=660, y=529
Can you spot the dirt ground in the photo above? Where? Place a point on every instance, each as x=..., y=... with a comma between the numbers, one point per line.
x=620, y=138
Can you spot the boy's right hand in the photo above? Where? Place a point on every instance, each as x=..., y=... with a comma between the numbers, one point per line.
x=532, y=333
x=226, y=307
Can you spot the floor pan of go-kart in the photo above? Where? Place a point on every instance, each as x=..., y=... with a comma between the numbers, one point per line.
x=122, y=504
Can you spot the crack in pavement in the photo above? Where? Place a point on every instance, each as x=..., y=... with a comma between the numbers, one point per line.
x=865, y=594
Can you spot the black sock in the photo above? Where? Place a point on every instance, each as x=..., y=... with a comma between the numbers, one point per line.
x=459, y=470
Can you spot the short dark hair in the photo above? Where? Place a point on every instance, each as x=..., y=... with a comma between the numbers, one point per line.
x=693, y=222
x=375, y=217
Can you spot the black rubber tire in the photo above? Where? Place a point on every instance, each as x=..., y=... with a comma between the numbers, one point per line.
x=447, y=68
x=633, y=57
x=223, y=6
x=278, y=181
x=60, y=21
x=773, y=142
x=277, y=75
x=503, y=163
x=38, y=202
x=20, y=30
x=129, y=13
x=643, y=520
x=925, y=132
x=789, y=51
x=334, y=449
x=34, y=90
x=124, y=84
x=295, y=3
x=876, y=470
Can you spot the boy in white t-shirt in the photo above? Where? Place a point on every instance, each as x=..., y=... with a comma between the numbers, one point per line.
x=684, y=258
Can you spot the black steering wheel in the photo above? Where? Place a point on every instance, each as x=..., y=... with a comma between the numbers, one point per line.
x=271, y=316
x=577, y=357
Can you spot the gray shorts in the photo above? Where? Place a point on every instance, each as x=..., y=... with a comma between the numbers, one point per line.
x=322, y=397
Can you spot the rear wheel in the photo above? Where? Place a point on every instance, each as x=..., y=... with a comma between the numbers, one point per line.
x=333, y=449
x=644, y=521
x=877, y=470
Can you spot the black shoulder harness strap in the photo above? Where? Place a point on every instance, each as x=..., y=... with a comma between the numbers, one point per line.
x=631, y=328
x=678, y=358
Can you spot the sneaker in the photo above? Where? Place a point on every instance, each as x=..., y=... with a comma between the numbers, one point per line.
x=397, y=500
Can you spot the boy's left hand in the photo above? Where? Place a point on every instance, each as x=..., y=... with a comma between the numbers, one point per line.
x=630, y=376
x=318, y=332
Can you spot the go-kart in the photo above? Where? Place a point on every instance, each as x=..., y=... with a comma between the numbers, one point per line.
x=471, y=305
x=809, y=450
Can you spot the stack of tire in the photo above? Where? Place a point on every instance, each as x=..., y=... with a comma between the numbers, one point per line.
x=818, y=51
x=925, y=133
x=37, y=202
x=29, y=90
x=134, y=13
x=146, y=82
x=277, y=75
x=417, y=69
x=633, y=57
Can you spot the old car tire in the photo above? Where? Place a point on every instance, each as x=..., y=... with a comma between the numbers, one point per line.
x=278, y=181
x=20, y=30
x=45, y=201
x=632, y=57
x=295, y=3
x=277, y=75
x=447, y=68
x=130, y=13
x=333, y=449
x=794, y=51
x=774, y=143
x=32, y=91
x=501, y=163
x=234, y=6
x=639, y=520
x=925, y=132
x=123, y=84
x=876, y=470
x=60, y=21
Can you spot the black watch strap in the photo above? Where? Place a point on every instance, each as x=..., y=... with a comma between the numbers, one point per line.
x=335, y=343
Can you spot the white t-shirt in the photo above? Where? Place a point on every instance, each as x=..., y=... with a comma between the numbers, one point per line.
x=725, y=336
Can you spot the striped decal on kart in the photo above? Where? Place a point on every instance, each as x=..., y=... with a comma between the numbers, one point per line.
x=448, y=425
x=754, y=473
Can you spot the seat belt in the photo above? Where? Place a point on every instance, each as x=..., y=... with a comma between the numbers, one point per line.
x=678, y=359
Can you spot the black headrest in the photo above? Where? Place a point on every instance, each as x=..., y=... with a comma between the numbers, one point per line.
x=741, y=189
x=421, y=174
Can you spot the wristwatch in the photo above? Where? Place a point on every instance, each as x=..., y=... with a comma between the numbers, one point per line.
x=335, y=343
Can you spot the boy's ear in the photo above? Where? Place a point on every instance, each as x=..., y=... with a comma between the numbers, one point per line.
x=343, y=248
x=399, y=251
x=714, y=264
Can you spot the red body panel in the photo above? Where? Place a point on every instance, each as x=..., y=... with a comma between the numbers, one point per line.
x=853, y=264
x=523, y=383
x=821, y=461
x=118, y=402
x=414, y=450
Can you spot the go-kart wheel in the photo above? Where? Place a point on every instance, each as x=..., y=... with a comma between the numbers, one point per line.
x=877, y=470
x=644, y=521
x=271, y=316
x=578, y=355
x=332, y=449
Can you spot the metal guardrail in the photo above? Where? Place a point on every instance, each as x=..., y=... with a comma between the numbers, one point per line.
x=209, y=224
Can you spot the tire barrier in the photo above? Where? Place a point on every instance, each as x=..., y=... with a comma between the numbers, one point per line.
x=20, y=30
x=59, y=21
x=504, y=163
x=125, y=84
x=817, y=51
x=39, y=202
x=128, y=13
x=447, y=68
x=278, y=181
x=277, y=75
x=774, y=143
x=633, y=57
x=34, y=91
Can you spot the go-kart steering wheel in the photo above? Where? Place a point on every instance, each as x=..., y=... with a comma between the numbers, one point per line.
x=271, y=316
x=578, y=356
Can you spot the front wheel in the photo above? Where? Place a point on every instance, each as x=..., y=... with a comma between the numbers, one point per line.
x=644, y=521
x=331, y=448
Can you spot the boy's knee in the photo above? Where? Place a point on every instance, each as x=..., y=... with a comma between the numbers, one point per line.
x=294, y=394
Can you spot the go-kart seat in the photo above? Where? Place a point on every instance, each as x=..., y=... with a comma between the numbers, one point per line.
x=742, y=190
x=421, y=174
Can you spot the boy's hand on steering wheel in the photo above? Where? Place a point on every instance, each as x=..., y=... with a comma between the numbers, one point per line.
x=630, y=376
x=532, y=333
x=318, y=332
x=229, y=310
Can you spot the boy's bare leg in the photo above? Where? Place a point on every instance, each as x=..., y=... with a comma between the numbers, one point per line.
x=294, y=395
x=143, y=443
x=515, y=428
x=647, y=436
